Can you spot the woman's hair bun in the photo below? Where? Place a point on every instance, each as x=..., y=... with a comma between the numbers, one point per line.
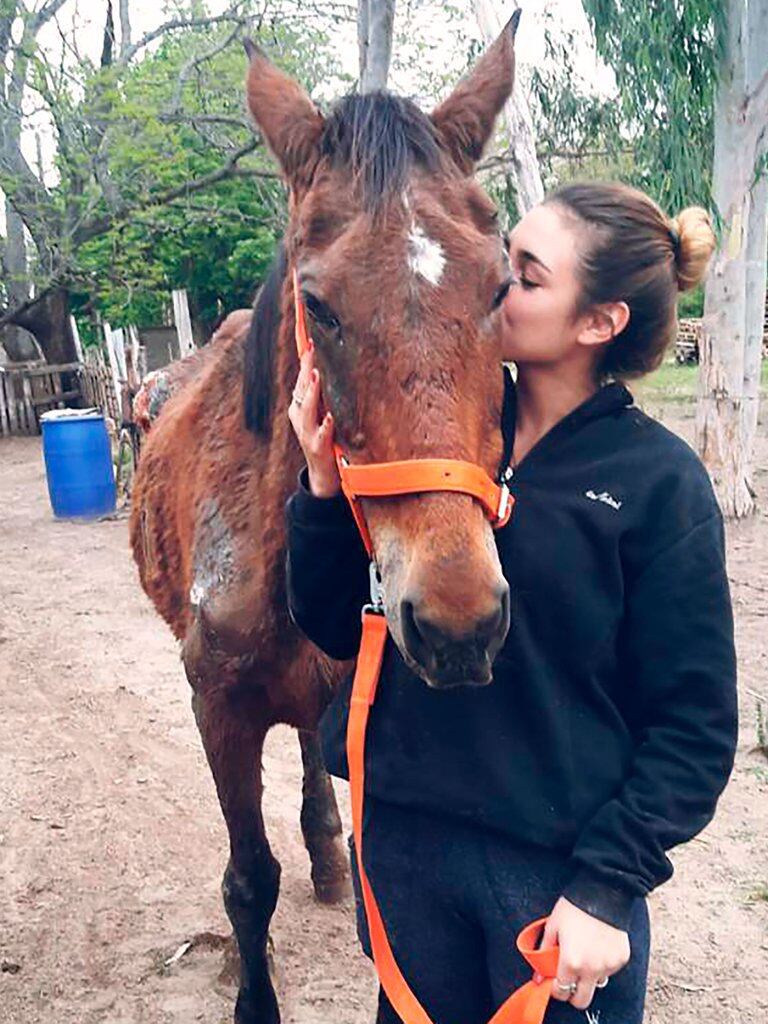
x=694, y=242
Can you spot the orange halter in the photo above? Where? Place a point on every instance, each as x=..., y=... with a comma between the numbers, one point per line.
x=412, y=476
x=528, y=1004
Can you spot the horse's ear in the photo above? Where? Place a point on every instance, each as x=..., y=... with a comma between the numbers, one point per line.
x=288, y=119
x=465, y=120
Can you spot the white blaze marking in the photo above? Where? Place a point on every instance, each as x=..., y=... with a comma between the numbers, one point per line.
x=425, y=257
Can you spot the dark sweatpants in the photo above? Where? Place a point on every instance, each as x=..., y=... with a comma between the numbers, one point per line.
x=454, y=897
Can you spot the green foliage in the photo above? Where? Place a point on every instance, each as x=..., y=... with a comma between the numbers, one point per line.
x=579, y=134
x=160, y=128
x=665, y=57
x=691, y=303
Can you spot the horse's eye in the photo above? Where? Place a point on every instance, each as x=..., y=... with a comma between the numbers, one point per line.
x=501, y=294
x=322, y=314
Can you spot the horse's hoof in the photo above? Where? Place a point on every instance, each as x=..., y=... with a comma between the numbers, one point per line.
x=333, y=890
x=228, y=981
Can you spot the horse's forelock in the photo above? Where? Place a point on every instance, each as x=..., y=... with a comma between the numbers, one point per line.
x=380, y=138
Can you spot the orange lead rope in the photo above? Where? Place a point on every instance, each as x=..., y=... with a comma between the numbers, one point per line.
x=529, y=1003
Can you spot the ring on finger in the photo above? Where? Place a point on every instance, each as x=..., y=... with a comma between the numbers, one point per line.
x=567, y=986
x=298, y=399
x=601, y=983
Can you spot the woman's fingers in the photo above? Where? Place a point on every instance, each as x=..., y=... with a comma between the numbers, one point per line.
x=306, y=366
x=311, y=404
x=585, y=990
x=314, y=430
x=565, y=985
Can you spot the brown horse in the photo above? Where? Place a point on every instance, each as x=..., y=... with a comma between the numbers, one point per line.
x=402, y=269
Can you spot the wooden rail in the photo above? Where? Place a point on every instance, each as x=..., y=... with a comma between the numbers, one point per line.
x=29, y=389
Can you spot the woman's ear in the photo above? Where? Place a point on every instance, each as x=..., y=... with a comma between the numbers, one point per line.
x=603, y=323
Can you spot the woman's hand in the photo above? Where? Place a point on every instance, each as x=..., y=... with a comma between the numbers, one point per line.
x=590, y=952
x=315, y=435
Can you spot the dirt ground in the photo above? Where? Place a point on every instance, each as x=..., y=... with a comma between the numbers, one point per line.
x=111, y=845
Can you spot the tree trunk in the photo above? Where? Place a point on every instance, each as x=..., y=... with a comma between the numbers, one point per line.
x=48, y=319
x=19, y=346
x=724, y=413
x=375, y=24
x=523, y=163
x=757, y=249
x=125, y=28
x=17, y=343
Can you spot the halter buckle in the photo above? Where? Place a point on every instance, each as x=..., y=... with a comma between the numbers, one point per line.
x=504, y=499
x=376, y=603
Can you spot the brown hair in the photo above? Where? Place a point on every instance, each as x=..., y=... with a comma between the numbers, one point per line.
x=635, y=254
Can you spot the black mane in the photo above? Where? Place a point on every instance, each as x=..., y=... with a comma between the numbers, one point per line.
x=379, y=138
x=260, y=347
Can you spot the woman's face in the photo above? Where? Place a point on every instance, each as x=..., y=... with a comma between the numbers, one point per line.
x=538, y=314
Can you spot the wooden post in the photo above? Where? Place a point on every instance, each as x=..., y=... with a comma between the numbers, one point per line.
x=76, y=337
x=5, y=423
x=28, y=408
x=113, y=363
x=183, y=322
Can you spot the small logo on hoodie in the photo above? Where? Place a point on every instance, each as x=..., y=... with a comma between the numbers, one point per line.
x=606, y=498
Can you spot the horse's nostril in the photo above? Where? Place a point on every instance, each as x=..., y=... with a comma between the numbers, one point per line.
x=435, y=646
x=494, y=628
x=412, y=635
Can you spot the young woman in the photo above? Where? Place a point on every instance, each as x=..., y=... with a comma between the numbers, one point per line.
x=609, y=730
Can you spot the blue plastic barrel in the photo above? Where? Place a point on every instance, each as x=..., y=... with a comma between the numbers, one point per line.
x=78, y=463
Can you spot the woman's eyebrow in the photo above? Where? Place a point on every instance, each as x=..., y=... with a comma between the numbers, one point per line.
x=528, y=257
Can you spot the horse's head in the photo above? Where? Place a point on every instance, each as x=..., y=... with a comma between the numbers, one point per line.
x=402, y=271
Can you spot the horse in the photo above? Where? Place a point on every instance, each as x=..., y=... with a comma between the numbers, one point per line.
x=401, y=267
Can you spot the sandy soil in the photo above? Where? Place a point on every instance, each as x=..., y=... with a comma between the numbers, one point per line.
x=111, y=845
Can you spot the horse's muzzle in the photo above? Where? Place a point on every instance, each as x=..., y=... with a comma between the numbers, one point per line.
x=448, y=660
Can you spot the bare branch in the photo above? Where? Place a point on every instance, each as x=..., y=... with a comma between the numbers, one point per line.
x=44, y=15
x=227, y=170
x=201, y=58
x=183, y=118
x=231, y=14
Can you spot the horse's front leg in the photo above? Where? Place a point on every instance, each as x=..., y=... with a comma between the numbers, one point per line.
x=321, y=825
x=233, y=737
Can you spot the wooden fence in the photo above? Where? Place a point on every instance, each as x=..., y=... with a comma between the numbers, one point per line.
x=27, y=390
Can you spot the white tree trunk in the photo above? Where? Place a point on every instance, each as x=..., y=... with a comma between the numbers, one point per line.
x=725, y=412
x=19, y=344
x=524, y=165
x=375, y=24
x=757, y=247
x=125, y=28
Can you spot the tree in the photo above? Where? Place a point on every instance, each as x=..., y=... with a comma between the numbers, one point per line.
x=696, y=74
x=215, y=243
x=109, y=172
x=375, y=25
x=731, y=344
x=522, y=160
x=665, y=59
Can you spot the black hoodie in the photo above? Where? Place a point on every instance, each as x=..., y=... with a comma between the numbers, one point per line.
x=609, y=729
